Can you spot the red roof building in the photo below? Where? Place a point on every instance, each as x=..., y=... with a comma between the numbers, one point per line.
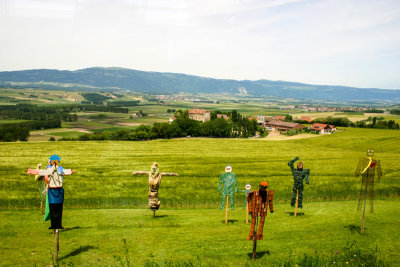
x=279, y=118
x=304, y=118
x=323, y=128
x=283, y=126
x=171, y=119
x=199, y=114
x=222, y=116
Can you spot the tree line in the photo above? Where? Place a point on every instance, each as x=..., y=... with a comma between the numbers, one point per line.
x=42, y=117
x=370, y=122
x=237, y=126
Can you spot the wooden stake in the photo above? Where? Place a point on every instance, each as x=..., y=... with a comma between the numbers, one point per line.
x=56, y=247
x=154, y=213
x=365, y=203
x=41, y=206
x=297, y=203
x=255, y=240
x=254, y=246
x=247, y=213
x=226, y=212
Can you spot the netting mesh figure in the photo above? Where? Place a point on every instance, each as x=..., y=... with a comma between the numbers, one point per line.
x=368, y=166
x=229, y=181
x=298, y=176
x=154, y=183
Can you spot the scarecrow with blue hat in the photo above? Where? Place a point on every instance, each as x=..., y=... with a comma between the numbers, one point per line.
x=55, y=190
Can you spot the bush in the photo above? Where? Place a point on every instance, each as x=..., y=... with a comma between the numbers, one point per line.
x=292, y=132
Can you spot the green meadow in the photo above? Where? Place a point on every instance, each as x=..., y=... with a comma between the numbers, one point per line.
x=105, y=205
x=327, y=232
x=103, y=169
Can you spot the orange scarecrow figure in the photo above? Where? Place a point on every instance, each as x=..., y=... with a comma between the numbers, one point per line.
x=259, y=200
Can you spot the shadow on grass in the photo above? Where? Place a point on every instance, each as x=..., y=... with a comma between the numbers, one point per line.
x=354, y=228
x=259, y=254
x=77, y=252
x=298, y=214
x=74, y=228
x=229, y=221
x=159, y=216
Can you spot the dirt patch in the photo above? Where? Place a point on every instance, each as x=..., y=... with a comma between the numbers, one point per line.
x=41, y=137
x=282, y=137
x=129, y=124
x=58, y=130
x=81, y=130
x=275, y=135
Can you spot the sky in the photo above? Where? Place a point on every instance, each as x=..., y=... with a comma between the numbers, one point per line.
x=327, y=42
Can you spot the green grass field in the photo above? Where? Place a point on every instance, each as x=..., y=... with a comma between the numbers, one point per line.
x=104, y=168
x=189, y=229
x=200, y=237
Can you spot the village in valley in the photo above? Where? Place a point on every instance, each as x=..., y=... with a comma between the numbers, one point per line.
x=270, y=123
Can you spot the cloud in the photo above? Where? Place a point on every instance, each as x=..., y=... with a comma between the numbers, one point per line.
x=295, y=40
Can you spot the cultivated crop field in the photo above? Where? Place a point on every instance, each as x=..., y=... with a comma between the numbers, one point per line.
x=104, y=204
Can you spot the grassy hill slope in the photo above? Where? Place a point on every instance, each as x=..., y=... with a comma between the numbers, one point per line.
x=103, y=169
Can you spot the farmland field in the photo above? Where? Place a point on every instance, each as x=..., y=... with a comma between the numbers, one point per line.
x=189, y=227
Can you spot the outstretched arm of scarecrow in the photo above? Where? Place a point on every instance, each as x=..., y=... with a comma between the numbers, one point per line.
x=379, y=170
x=32, y=171
x=39, y=172
x=168, y=174
x=140, y=172
x=236, y=188
x=270, y=201
x=68, y=172
x=290, y=163
x=359, y=166
x=307, y=175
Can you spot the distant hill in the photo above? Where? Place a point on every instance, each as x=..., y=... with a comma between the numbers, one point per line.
x=93, y=79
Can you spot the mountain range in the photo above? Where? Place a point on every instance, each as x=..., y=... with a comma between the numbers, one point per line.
x=95, y=79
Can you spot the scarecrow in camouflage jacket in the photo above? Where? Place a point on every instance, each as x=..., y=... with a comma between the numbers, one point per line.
x=298, y=176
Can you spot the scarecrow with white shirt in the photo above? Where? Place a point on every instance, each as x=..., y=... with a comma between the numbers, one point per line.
x=55, y=191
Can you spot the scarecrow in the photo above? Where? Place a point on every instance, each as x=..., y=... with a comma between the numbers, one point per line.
x=367, y=167
x=55, y=191
x=230, y=186
x=259, y=200
x=246, y=192
x=298, y=175
x=154, y=183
